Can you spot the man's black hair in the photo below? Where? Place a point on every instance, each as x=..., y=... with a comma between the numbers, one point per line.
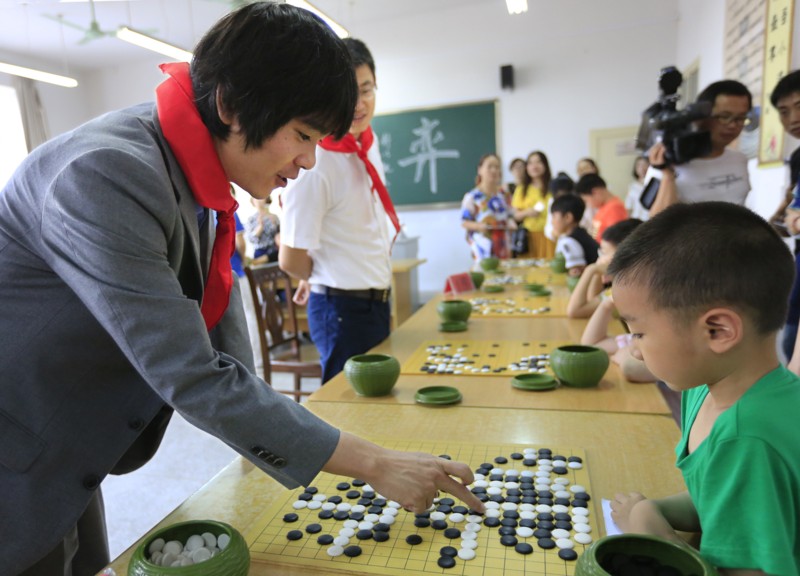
x=588, y=182
x=725, y=88
x=360, y=54
x=692, y=257
x=562, y=183
x=616, y=233
x=786, y=86
x=273, y=63
x=569, y=204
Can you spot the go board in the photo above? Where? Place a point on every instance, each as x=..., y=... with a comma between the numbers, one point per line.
x=480, y=357
x=540, y=503
x=518, y=305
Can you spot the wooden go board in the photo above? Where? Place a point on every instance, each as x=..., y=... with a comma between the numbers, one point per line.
x=570, y=507
x=480, y=357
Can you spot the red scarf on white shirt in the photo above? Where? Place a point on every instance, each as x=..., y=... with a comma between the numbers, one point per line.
x=348, y=145
x=194, y=149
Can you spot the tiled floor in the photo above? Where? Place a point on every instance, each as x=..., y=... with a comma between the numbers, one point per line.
x=187, y=459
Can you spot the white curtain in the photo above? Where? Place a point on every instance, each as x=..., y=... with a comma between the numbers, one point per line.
x=34, y=120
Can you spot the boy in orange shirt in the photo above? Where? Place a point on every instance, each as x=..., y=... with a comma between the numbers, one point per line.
x=608, y=208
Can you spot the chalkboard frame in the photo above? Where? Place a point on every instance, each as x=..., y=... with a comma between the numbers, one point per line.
x=462, y=173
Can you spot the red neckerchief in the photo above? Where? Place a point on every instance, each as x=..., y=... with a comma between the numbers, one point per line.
x=194, y=149
x=348, y=144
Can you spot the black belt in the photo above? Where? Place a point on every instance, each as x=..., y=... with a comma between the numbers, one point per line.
x=381, y=295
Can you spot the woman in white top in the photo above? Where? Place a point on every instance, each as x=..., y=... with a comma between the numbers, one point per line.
x=632, y=204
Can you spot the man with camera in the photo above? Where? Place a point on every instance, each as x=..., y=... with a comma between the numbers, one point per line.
x=721, y=174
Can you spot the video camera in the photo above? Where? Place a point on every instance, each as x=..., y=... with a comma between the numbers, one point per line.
x=674, y=128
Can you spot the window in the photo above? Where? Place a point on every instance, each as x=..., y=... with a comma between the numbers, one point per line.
x=12, y=138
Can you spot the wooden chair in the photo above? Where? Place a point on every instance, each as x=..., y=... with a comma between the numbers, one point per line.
x=277, y=318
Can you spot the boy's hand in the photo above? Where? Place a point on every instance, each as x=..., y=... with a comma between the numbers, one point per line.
x=621, y=508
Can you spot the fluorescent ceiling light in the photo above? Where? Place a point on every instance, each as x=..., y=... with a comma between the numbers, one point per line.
x=148, y=42
x=517, y=6
x=337, y=28
x=64, y=81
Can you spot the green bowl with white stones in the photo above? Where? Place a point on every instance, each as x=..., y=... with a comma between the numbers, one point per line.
x=233, y=560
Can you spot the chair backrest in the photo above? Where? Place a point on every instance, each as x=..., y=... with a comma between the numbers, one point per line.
x=271, y=290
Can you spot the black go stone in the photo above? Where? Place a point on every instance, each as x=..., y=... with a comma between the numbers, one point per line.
x=508, y=522
x=567, y=554
x=478, y=490
x=563, y=516
x=487, y=465
x=425, y=514
x=312, y=490
x=548, y=501
x=514, y=499
x=482, y=497
x=546, y=543
x=574, y=459
x=507, y=531
x=448, y=551
x=577, y=503
x=380, y=536
x=511, y=514
x=523, y=548
x=517, y=456
x=564, y=524
x=499, y=477
x=474, y=512
x=446, y=562
x=562, y=501
x=325, y=514
x=491, y=522
x=460, y=509
x=445, y=456
x=513, y=492
x=379, y=502
x=353, y=494
x=357, y=516
x=527, y=523
x=546, y=516
x=341, y=515
x=529, y=462
x=447, y=502
x=444, y=508
x=335, y=499
x=438, y=524
x=413, y=539
x=352, y=551
x=559, y=457
x=529, y=499
x=497, y=498
x=290, y=517
x=368, y=494
x=343, y=486
x=364, y=501
x=375, y=510
x=508, y=540
x=560, y=470
x=582, y=496
x=305, y=496
x=422, y=522
x=452, y=533
x=381, y=527
x=541, y=533
x=546, y=525
x=325, y=539
x=358, y=482
x=544, y=494
x=294, y=534
x=501, y=460
x=313, y=528
x=364, y=534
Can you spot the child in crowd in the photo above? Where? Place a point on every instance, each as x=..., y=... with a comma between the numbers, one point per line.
x=608, y=208
x=262, y=229
x=578, y=248
x=704, y=288
x=587, y=295
x=560, y=185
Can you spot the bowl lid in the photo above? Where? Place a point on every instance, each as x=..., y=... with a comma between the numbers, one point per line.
x=534, y=382
x=438, y=395
x=453, y=326
x=493, y=288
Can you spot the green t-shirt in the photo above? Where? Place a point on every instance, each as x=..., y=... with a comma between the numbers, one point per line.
x=744, y=478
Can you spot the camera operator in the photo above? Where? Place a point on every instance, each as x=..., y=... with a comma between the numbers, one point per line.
x=719, y=175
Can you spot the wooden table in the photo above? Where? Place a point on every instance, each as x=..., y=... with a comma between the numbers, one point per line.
x=613, y=394
x=625, y=452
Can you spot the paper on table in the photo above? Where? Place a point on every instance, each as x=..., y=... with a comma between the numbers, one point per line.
x=611, y=527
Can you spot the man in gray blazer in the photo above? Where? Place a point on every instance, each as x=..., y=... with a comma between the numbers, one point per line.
x=116, y=310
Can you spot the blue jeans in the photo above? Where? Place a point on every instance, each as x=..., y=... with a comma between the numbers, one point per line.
x=342, y=327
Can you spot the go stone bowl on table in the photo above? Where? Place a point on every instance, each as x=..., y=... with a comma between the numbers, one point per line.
x=454, y=310
x=490, y=263
x=477, y=278
x=579, y=366
x=641, y=554
x=372, y=374
x=232, y=560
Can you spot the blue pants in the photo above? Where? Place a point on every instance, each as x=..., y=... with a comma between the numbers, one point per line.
x=342, y=327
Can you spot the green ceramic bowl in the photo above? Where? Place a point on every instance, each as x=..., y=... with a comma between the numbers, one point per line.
x=494, y=288
x=234, y=560
x=579, y=366
x=456, y=326
x=614, y=549
x=534, y=287
x=558, y=264
x=372, y=374
x=490, y=263
x=477, y=278
x=454, y=310
x=540, y=292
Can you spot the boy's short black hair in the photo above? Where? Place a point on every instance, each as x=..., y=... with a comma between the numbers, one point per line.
x=786, y=86
x=725, y=88
x=692, y=257
x=588, y=182
x=273, y=63
x=360, y=54
x=562, y=183
x=569, y=204
x=616, y=233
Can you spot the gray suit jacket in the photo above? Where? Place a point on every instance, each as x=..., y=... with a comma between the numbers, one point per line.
x=101, y=272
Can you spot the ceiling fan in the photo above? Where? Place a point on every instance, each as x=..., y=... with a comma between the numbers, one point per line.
x=93, y=31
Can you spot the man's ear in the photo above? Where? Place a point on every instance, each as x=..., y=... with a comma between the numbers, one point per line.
x=723, y=329
x=223, y=113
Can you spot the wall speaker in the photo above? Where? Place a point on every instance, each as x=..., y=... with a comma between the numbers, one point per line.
x=507, y=77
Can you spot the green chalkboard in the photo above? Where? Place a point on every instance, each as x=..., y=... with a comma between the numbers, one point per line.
x=431, y=155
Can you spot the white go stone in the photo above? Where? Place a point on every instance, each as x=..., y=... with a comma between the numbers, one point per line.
x=559, y=533
x=561, y=480
x=575, y=465
x=350, y=523
x=386, y=519
x=365, y=525
x=580, y=511
x=172, y=547
x=438, y=515
x=471, y=544
x=577, y=488
x=167, y=559
x=194, y=542
x=527, y=515
x=200, y=555
x=584, y=528
x=527, y=474
x=527, y=507
x=343, y=507
x=347, y=532
x=480, y=484
x=583, y=538
x=456, y=518
x=492, y=505
x=511, y=485
x=372, y=518
x=524, y=532
x=469, y=535
x=393, y=504
x=493, y=491
x=546, y=461
x=335, y=551
x=319, y=497
x=390, y=511
x=222, y=541
x=543, y=508
x=563, y=494
x=560, y=509
x=314, y=505
x=498, y=471
x=492, y=513
x=328, y=506
x=474, y=519
x=341, y=540
x=156, y=545
x=299, y=504
x=497, y=484
x=358, y=508
x=559, y=463
x=565, y=543
x=508, y=506
x=466, y=553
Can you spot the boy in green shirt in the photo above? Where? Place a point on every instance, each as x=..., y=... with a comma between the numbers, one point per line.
x=703, y=289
